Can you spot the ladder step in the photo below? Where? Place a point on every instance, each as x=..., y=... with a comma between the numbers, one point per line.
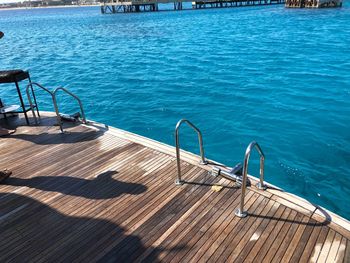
x=234, y=174
x=237, y=169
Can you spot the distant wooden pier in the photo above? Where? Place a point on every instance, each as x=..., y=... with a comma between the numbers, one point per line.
x=115, y=6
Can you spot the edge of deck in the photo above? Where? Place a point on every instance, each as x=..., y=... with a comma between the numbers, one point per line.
x=290, y=200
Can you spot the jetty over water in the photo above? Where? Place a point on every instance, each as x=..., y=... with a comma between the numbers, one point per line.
x=97, y=193
x=116, y=6
x=131, y=6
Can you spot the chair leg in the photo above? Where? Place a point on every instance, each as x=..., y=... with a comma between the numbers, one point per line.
x=22, y=103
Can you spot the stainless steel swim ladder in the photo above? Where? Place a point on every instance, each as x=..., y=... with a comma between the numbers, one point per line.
x=178, y=181
x=240, y=212
x=232, y=174
x=53, y=95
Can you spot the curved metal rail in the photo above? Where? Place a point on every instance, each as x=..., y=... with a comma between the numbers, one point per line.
x=54, y=100
x=30, y=86
x=178, y=181
x=240, y=211
x=75, y=97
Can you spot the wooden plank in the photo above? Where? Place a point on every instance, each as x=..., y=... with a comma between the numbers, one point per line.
x=264, y=235
x=296, y=200
x=318, y=246
x=288, y=238
x=326, y=246
x=334, y=248
x=24, y=138
x=204, y=224
x=179, y=238
x=253, y=188
x=303, y=241
x=46, y=165
x=89, y=167
x=159, y=222
x=55, y=166
x=347, y=252
x=341, y=250
x=216, y=202
x=296, y=238
x=27, y=219
x=257, y=234
x=272, y=235
x=104, y=211
x=311, y=244
x=242, y=227
x=58, y=211
x=198, y=223
x=134, y=222
x=292, y=205
x=204, y=234
x=253, y=232
x=47, y=142
x=219, y=247
x=35, y=216
x=271, y=209
x=73, y=166
x=339, y=224
x=198, y=203
x=279, y=239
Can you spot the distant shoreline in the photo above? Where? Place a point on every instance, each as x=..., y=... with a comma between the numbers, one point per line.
x=42, y=7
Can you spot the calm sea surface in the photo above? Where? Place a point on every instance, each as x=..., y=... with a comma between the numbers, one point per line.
x=277, y=76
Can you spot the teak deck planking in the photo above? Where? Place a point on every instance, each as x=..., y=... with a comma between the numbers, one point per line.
x=101, y=194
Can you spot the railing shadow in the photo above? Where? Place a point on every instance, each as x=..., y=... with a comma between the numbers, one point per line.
x=286, y=220
x=326, y=221
x=55, y=136
x=58, y=138
x=236, y=187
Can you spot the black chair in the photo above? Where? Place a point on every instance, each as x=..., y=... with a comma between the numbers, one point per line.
x=15, y=76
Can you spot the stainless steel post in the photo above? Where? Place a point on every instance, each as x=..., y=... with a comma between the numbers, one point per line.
x=179, y=181
x=75, y=97
x=240, y=211
x=30, y=86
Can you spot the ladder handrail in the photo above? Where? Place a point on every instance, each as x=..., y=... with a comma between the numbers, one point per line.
x=75, y=97
x=30, y=85
x=177, y=143
x=54, y=100
x=253, y=145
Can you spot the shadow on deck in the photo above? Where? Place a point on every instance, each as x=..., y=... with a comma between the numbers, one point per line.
x=81, y=187
x=42, y=228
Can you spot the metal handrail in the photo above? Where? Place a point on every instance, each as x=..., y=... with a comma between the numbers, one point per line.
x=30, y=86
x=54, y=100
x=240, y=211
x=178, y=181
x=75, y=97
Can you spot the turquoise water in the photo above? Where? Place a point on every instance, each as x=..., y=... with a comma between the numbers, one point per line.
x=278, y=76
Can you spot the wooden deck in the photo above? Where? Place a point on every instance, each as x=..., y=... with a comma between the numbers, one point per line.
x=101, y=194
